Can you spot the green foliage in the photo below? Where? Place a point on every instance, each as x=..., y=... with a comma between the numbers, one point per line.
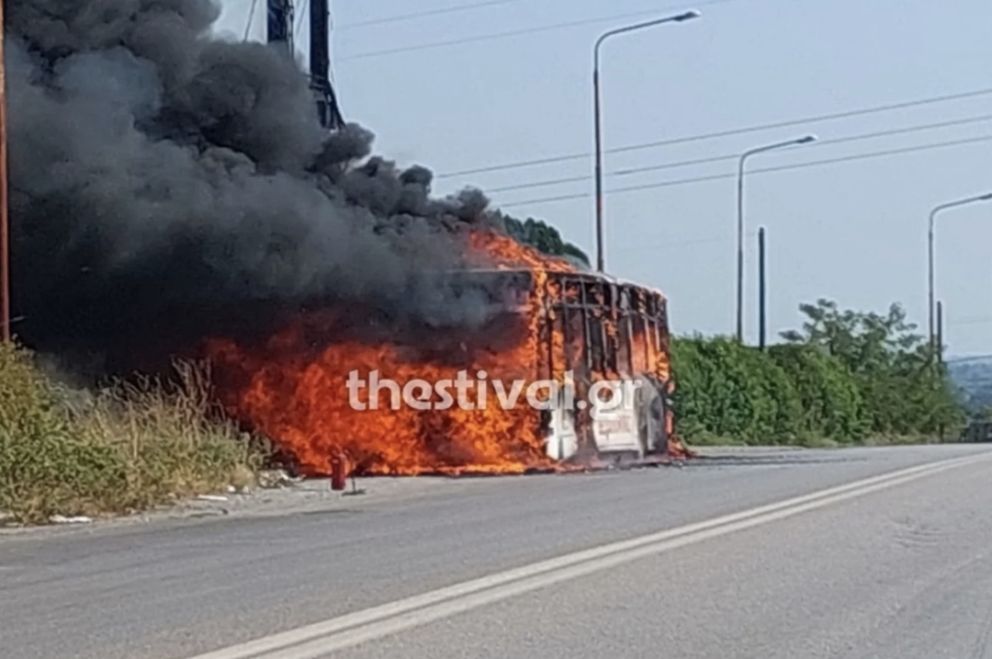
x=543, y=237
x=123, y=448
x=892, y=366
x=831, y=404
x=44, y=466
x=728, y=390
x=845, y=377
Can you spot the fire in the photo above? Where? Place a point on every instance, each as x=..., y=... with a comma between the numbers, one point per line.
x=293, y=389
x=505, y=252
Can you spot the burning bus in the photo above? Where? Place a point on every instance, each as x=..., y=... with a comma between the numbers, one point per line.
x=292, y=257
x=540, y=319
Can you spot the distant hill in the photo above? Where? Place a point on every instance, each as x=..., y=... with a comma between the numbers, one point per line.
x=974, y=378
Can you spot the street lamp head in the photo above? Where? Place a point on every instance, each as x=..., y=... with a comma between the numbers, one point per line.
x=687, y=16
x=986, y=197
x=809, y=139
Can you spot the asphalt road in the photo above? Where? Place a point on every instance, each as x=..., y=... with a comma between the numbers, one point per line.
x=857, y=553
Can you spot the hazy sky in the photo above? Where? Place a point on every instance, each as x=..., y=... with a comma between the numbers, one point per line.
x=852, y=231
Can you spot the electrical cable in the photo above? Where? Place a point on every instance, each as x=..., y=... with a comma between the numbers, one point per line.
x=735, y=156
x=495, y=36
x=766, y=170
x=424, y=14
x=251, y=18
x=726, y=133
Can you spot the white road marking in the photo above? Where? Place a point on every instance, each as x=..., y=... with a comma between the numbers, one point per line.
x=352, y=629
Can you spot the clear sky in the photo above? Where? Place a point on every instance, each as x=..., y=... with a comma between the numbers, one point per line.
x=853, y=231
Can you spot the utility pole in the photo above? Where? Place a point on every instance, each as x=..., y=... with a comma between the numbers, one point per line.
x=320, y=65
x=5, y=332
x=762, y=292
x=280, y=31
x=940, y=334
x=280, y=23
x=940, y=357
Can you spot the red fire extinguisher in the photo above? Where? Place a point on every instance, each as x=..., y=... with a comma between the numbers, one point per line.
x=339, y=471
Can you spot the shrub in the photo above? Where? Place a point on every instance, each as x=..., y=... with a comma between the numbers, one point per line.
x=128, y=446
x=728, y=390
x=845, y=377
x=173, y=437
x=44, y=465
x=830, y=398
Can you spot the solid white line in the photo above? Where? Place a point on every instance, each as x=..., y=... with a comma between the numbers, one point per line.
x=352, y=629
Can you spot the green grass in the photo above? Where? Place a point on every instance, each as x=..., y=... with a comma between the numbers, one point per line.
x=818, y=442
x=123, y=448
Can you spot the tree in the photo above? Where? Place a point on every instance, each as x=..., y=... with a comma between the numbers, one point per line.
x=831, y=401
x=728, y=390
x=543, y=237
x=844, y=375
x=891, y=363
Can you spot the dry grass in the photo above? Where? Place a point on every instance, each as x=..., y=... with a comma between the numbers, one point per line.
x=123, y=448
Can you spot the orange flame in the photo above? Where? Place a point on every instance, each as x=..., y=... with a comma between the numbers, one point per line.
x=298, y=397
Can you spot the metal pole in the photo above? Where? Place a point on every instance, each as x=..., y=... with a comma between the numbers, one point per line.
x=940, y=333
x=5, y=330
x=762, y=291
x=807, y=139
x=740, y=249
x=279, y=23
x=597, y=113
x=932, y=262
x=598, y=119
x=320, y=65
x=931, y=277
x=940, y=358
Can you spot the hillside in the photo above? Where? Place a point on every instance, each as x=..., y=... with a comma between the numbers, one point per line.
x=974, y=378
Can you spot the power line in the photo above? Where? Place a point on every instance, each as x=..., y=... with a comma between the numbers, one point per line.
x=424, y=14
x=251, y=18
x=301, y=16
x=766, y=170
x=494, y=36
x=973, y=358
x=735, y=156
x=725, y=133
x=680, y=243
x=972, y=321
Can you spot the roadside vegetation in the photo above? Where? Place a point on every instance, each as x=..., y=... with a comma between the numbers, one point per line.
x=543, y=237
x=844, y=378
x=123, y=448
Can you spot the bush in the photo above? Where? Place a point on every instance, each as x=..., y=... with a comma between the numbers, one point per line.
x=830, y=398
x=175, y=441
x=845, y=377
x=44, y=466
x=903, y=392
x=907, y=401
x=126, y=447
x=728, y=390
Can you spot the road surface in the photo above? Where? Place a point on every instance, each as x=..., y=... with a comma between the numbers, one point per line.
x=856, y=553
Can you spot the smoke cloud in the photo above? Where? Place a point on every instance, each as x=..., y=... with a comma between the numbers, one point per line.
x=161, y=179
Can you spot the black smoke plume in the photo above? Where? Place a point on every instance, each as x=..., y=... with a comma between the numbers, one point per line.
x=165, y=184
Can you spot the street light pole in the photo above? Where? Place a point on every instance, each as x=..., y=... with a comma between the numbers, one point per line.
x=940, y=333
x=931, y=259
x=5, y=332
x=762, y=292
x=740, y=220
x=598, y=114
